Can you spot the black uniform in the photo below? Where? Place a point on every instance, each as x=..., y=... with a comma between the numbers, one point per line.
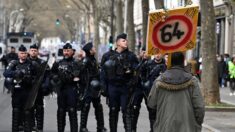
x=118, y=71
x=23, y=75
x=149, y=71
x=64, y=73
x=44, y=90
x=91, y=91
x=7, y=59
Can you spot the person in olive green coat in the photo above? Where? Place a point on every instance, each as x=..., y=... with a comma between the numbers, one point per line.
x=177, y=98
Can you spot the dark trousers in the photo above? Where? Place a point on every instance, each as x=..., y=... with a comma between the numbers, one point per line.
x=67, y=101
x=138, y=97
x=20, y=116
x=98, y=113
x=118, y=97
x=38, y=112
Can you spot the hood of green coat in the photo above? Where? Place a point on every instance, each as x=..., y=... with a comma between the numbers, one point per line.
x=175, y=78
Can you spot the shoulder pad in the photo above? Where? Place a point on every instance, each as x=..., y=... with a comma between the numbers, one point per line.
x=85, y=61
x=12, y=64
x=109, y=63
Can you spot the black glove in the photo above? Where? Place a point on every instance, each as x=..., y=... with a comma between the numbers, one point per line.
x=104, y=90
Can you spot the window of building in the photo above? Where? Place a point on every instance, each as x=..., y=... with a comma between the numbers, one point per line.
x=14, y=40
x=27, y=40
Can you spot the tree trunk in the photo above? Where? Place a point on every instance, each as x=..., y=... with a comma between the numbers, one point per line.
x=130, y=25
x=96, y=25
x=88, y=26
x=209, y=78
x=145, y=10
x=159, y=4
x=119, y=14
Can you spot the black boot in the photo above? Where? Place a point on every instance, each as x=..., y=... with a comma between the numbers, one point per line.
x=21, y=121
x=40, y=117
x=134, y=116
x=152, y=118
x=61, y=119
x=33, y=118
x=73, y=120
x=100, y=118
x=84, y=116
x=126, y=116
x=15, y=119
x=113, y=119
x=27, y=121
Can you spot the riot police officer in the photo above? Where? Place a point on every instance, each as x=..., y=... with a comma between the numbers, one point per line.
x=7, y=59
x=92, y=90
x=38, y=109
x=22, y=72
x=149, y=71
x=143, y=83
x=119, y=69
x=66, y=75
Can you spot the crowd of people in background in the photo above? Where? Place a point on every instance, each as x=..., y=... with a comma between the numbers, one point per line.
x=226, y=71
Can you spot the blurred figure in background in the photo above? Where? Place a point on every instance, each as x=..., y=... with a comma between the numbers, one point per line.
x=221, y=70
x=231, y=67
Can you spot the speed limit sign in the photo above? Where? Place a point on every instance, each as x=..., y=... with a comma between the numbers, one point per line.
x=171, y=32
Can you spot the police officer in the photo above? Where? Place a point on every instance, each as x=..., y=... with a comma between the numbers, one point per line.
x=92, y=90
x=157, y=66
x=119, y=69
x=143, y=84
x=66, y=74
x=38, y=109
x=7, y=59
x=23, y=72
x=12, y=55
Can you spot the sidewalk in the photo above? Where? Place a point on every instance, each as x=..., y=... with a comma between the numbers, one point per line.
x=221, y=121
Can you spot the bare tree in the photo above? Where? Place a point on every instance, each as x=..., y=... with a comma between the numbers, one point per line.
x=96, y=15
x=119, y=15
x=145, y=10
x=130, y=24
x=209, y=78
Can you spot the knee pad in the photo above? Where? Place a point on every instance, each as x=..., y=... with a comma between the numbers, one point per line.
x=71, y=110
x=114, y=109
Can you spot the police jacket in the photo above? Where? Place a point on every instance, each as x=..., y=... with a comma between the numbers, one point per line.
x=65, y=71
x=119, y=67
x=90, y=64
x=23, y=74
x=156, y=68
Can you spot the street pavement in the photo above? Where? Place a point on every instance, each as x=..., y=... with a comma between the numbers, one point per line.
x=221, y=121
x=213, y=122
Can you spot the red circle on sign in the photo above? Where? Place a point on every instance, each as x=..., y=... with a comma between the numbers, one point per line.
x=186, y=38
